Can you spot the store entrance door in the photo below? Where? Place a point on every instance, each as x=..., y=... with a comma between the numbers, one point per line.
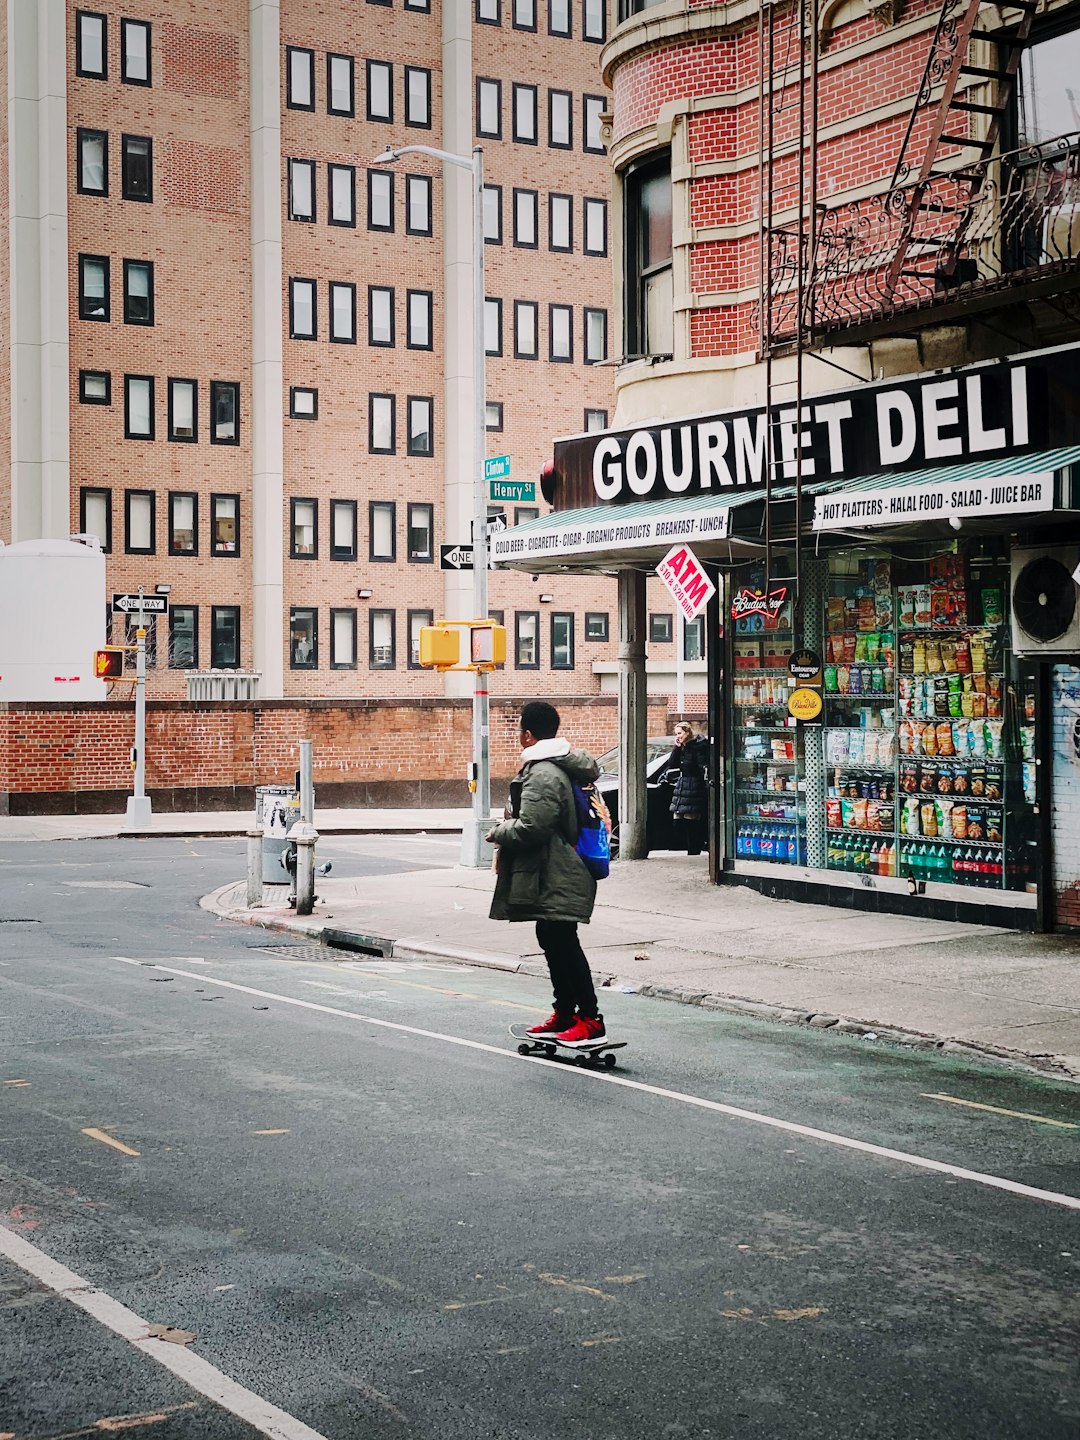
x=1065, y=795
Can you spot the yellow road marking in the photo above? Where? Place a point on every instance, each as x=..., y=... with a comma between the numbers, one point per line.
x=108, y=1140
x=997, y=1110
x=623, y=1279
x=808, y=1312
x=270, y=1132
x=601, y=1340
x=19, y=1084
x=576, y=1285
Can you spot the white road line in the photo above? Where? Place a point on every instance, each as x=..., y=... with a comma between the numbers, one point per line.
x=192, y=1369
x=791, y=1127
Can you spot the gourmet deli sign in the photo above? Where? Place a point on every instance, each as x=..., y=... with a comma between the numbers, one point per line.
x=1004, y=495
x=921, y=422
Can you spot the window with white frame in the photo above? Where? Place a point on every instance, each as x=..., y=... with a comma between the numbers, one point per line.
x=561, y=222
x=561, y=323
x=299, y=78
x=380, y=315
x=526, y=206
x=492, y=326
x=138, y=407
x=380, y=90
x=302, y=190
x=381, y=631
x=418, y=204
x=560, y=119
x=342, y=639
x=489, y=108
x=595, y=335
x=421, y=533
x=493, y=214
x=417, y=97
x=341, y=187
x=525, y=327
x=380, y=200
x=304, y=544
x=342, y=529
x=421, y=410
x=381, y=426
x=91, y=50
x=302, y=318
x=595, y=215
x=524, y=97
x=92, y=176
x=419, y=308
x=342, y=312
x=382, y=530
x=135, y=52
x=340, y=84
x=183, y=410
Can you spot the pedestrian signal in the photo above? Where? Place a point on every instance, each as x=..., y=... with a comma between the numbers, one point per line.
x=109, y=662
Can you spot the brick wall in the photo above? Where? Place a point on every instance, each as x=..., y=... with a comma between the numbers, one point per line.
x=60, y=759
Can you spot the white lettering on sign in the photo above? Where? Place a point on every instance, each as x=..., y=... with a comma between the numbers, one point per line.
x=1002, y=495
x=682, y=573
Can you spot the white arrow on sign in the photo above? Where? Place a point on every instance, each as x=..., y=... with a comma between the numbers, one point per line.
x=456, y=557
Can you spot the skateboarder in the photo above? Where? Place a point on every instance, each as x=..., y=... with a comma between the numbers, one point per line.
x=541, y=875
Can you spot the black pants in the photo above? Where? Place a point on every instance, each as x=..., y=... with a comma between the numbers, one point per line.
x=568, y=967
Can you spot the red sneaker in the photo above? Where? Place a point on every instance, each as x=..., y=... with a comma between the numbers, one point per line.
x=552, y=1025
x=584, y=1031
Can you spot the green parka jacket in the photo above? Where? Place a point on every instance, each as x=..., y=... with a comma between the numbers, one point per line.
x=541, y=875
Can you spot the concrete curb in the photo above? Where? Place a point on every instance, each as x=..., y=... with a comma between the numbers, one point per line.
x=351, y=940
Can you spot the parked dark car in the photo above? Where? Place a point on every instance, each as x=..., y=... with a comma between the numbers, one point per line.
x=658, y=826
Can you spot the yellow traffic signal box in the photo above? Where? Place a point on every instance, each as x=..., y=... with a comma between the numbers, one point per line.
x=463, y=645
x=440, y=646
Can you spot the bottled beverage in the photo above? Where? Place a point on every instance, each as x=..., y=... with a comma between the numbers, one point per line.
x=995, y=869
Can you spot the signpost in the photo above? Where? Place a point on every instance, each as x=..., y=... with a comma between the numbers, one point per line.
x=455, y=557
x=138, y=805
x=147, y=604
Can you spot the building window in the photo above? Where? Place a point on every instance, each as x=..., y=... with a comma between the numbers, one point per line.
x=381, y=638
x=649, y=325
x=421, y=410
x=421, y=531
x=95, y=515
x=422, y=5
x=593, y=106
x=489, y=12
x=303, y=638
x=138, y=292
x=596, y=625
x=595, y=214
x=303, y=403
x=92, y=174
x=417, y=97
x=418, y=310
x=561, y=336
x=382, y=525
x=183, y=523
x=380, y=90
x=225, y=524
x=342, y=529
x=561, y=222
x=562, y=641
x=493, y=343
x=184, y=637
x=340, y=85
x=489, y=109
x=342, y=639
x=380, y=315
x=526, y=639
x=225, y=637
x=526, y=205
x=224, y=412
x=91, y=51
x=138, y=407
x=135, y=52
x=93, y=287
x=560, y=119
x=596, y=420
x=660, y=629
x=95, y=387
x=303, y=529
x=342, y=312
x=595, y=336
x=524, y=114
x=137, y=167
x=493, y=415
x=418, y=204
x=594, y=20
x=499, y=616
x=694, y=638
x=1044, y=107
x=417, y=619
x=299, y=78
x=302, y=190
x=524, y=513
x=558, y=17
x=341, y=194
x=381, y=425
x=525, y=325
x=493, y=221
x=303, y=321
x=183, y=408
x=380, y=200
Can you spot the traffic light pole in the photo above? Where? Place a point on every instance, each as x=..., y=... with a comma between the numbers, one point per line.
x=138, y=806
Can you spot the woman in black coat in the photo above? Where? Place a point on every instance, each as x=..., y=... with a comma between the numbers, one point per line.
x=687, y=767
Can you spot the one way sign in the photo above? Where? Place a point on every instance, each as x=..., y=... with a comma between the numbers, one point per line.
x=455, y=557
x=151, y=604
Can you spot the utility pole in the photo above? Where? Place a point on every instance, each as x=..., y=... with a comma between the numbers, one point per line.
x=138, y=805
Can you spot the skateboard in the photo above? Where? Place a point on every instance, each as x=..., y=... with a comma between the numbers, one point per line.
x=592, y=1056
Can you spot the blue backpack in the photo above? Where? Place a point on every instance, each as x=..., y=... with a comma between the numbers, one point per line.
x=594, y=827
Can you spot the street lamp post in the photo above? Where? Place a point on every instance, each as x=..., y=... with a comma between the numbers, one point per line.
x=474, y=851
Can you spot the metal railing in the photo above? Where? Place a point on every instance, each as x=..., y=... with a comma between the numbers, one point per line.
x=1019, y=221
x=222, y=685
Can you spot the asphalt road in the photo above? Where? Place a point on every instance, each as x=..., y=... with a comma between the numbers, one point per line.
x=387, y=1233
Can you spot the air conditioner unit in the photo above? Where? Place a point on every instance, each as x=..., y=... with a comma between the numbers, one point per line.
x=1045, y=601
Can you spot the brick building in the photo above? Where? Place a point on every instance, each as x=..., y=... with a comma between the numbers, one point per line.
x=847, y=256
x=236, y=349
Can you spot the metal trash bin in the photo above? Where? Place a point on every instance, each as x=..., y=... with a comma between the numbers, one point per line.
x=276, y=808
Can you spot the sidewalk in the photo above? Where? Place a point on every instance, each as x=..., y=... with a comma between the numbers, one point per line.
x=661, y=929
x=226, y=822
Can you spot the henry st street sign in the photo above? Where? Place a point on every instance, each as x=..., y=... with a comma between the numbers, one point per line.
x=523, y=492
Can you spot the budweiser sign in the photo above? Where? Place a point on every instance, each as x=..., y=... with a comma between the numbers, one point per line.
x=756, y=602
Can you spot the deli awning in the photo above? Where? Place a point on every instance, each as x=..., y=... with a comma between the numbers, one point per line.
x=605, y=538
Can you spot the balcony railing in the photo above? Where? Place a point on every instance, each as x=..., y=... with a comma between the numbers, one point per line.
x=1019, y=223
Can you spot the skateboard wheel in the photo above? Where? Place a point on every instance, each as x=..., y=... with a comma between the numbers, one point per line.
x=550, y=1051
x=524, y=1049
x=609, y=1061
x=584, y=1061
